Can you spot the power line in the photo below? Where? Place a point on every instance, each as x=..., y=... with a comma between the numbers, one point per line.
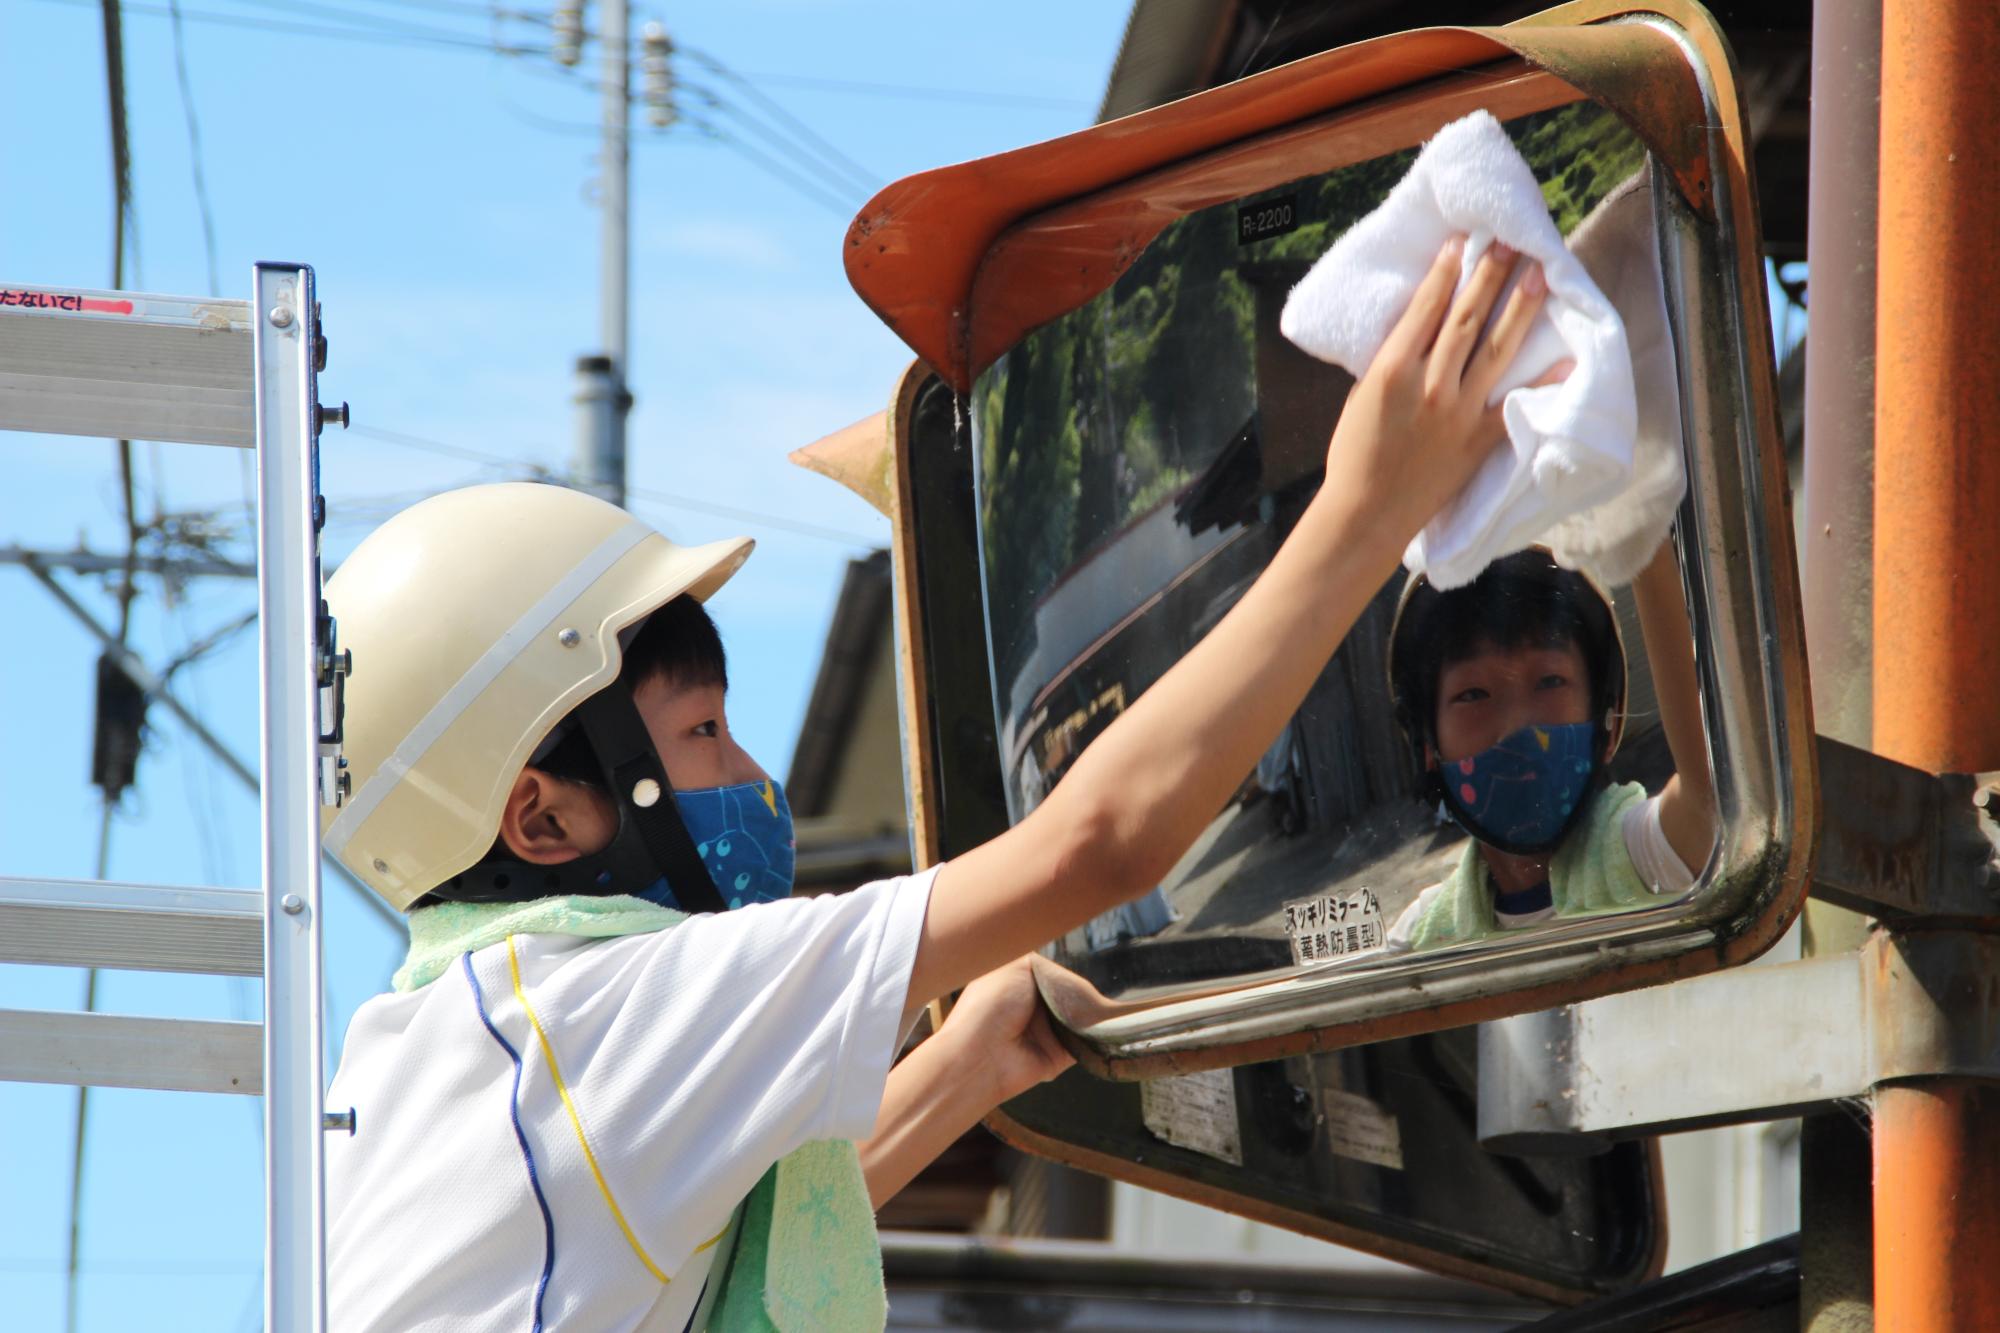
x=137, y=1267
x=198, y=779
x=458, y=451
x=804, y=82
x=110, y=774
x=750, y=516
x=82, y=561
x=373, y=22
x=834, y=194
x=836, y=181
x=863, y=88
x=708, y=129
x=771, y=166
x=194, y=149
x=666, y=499
x=377, y=36
x=869, y=179
x=372, y=30
x=467, y=7
x=534, y=120
x=193, y=649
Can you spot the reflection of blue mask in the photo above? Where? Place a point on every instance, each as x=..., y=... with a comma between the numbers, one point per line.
x=1522, y=794
x=743, y=834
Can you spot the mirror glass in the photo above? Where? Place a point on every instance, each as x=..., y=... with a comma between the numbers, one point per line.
x=1477, y=766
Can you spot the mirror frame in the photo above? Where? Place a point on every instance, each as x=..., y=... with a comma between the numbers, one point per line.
x=917, y=252
x=932, y=552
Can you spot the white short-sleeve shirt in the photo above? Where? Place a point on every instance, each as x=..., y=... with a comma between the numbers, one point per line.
x=690, y=1060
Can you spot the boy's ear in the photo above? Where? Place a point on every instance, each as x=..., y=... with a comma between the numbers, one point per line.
x=547, y=821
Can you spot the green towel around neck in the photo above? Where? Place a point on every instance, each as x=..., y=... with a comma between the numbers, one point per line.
x=1591, y=872
x=805, y=1257
x=439, y=934
x=794, y=1267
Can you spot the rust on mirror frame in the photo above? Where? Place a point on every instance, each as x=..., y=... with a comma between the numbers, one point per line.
x=915, y=249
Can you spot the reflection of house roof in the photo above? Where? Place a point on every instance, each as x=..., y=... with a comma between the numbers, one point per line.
x=860, y=622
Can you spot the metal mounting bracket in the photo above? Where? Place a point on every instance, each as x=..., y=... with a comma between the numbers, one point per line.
x=1754, y=1043
x=1897, y=843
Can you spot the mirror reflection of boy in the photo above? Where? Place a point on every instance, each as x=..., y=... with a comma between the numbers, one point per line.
x=1512, y=689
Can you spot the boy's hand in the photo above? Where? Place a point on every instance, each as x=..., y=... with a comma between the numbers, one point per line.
x=1001, y=1025
x=1417, y=425
x=995, y=1044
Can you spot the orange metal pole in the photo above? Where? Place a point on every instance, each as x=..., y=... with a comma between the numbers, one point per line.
x=1937, y=1175
x=1937, y=593
x=1937, y=417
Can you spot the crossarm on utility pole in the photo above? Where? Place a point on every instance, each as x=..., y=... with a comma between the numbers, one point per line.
x=156, y=689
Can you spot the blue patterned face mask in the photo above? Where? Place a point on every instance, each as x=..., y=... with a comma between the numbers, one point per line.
x=743, y=834
x=1522, y=794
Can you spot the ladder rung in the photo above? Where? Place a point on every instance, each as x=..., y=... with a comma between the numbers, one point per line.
x=126, y=365
x=156, y=927
x=120, y=1051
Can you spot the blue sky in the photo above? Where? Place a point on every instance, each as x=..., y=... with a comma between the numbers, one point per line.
x=439, y=189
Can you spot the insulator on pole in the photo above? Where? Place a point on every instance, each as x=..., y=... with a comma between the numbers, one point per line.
x=566, y=27
x=656, y=51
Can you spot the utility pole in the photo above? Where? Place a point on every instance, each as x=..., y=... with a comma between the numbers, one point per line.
x=602, y=395
x=1936, y=613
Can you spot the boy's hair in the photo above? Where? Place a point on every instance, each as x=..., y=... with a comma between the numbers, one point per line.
x=1524, y=600
x=678, y=645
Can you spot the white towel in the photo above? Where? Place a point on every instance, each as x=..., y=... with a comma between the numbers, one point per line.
x=1569, y=445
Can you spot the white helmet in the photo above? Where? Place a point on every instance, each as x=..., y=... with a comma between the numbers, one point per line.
x=478, y=620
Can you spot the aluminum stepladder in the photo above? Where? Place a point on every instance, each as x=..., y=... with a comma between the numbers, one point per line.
x=243, y=374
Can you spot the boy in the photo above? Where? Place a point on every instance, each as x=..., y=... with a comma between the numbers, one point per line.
x=1512, y=691
x=614, y=1087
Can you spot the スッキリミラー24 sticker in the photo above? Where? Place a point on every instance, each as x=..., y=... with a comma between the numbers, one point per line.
x=1332, y=926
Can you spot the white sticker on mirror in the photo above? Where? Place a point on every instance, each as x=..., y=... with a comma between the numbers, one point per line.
x=1362, y=1129
x=1333, y=926
x=1196, y=1112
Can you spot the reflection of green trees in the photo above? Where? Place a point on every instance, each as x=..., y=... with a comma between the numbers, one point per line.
x=1100, y=415
x=1332, y=203
x=1579, y=154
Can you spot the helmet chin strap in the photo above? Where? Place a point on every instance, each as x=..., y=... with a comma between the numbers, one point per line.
x=651, y=840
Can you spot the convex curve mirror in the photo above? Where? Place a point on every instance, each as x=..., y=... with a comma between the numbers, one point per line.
x=1531, y=789
x=1374, y=1146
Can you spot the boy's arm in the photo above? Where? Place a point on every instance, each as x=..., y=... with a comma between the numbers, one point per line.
x=1687, y=800
x=995, y=1045
x=1413, y=431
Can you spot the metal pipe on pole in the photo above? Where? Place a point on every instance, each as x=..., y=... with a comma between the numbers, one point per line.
x=1937, y=609
x=602, y=394
x=1836, y=553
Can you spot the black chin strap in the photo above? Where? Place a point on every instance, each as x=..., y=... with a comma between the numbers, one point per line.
x=651, y=840
x=645, y=798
